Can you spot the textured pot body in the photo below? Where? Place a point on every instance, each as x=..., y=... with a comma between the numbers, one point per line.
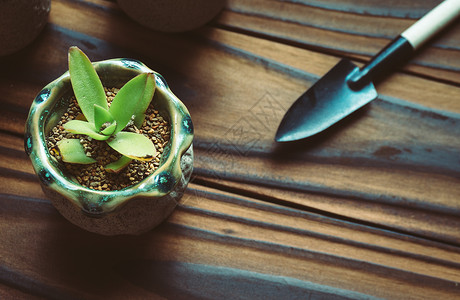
x=172, y=15
x=20, y=23
x=132, y=210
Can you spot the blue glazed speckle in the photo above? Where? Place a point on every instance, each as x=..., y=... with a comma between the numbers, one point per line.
x=43, y=95
x=131, y=63
x=28, y=144
x=165, y=182
x=160, y=81
x=104, y=199
x=187, y=124
x=91, y=209
x=45, y=177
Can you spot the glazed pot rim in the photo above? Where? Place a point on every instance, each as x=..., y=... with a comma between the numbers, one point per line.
x=158, y=184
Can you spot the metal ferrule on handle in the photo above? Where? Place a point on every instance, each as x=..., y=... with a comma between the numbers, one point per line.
x=403, y=46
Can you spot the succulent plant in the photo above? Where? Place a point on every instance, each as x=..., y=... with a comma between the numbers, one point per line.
x=106, y=122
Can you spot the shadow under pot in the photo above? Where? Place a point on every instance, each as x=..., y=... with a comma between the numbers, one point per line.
x=134, y=209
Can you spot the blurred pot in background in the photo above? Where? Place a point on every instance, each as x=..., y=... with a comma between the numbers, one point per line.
x=172, y=15
x=20, y=23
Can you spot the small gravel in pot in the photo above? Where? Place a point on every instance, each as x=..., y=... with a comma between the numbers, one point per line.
x=94, y=176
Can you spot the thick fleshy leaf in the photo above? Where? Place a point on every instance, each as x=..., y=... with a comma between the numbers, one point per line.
x=101, y=116
x=86, y=84
x=110, y=129
x=118, y=165
x=139, y=114
x=133, y=145
x=72, y=151
x=129, y=98
x=86, y=128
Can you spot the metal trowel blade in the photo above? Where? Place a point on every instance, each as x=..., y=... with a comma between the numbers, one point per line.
x=328, y=101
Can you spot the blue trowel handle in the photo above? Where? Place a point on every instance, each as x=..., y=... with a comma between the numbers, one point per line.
x=403, y=46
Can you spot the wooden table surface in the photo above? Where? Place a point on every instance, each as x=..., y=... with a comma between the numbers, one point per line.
x=369, y=208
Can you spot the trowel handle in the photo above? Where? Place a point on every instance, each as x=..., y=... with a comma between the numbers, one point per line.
x=403, y=46
x=433, y=22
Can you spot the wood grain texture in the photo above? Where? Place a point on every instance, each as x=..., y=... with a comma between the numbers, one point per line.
x=346, y=29
x=368, y=209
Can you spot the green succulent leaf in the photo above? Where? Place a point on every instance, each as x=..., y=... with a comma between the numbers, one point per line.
x=86, y=84
x=133, y=145
x=86, y=128
x=110, y=129
x=139, y=114
x=101, y=116
x=118, y=165
x=72, y=151
x=130, y=99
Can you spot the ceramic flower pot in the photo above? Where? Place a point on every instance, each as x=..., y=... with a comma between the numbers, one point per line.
x=172, y=15
x=21, y=21
x=132, y=210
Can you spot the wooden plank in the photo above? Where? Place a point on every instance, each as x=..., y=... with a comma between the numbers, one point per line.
x=311, y=66
x=207, y=220
x=316, y=69
x=396, y=217
x=339, y=31
x=7, y=292
x=368, y=20
x=358, y=157
x=368, y=209
x=394, y=8
x=203, y=236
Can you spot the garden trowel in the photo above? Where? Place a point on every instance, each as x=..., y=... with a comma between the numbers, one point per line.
x=346, y=88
